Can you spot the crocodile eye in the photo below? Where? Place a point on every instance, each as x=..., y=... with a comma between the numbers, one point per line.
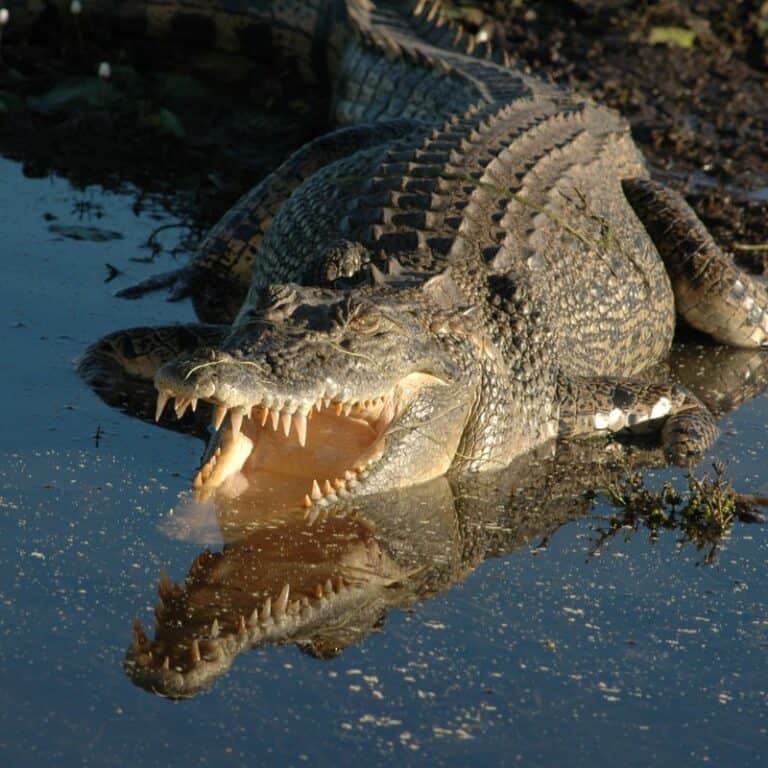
x=365, y=322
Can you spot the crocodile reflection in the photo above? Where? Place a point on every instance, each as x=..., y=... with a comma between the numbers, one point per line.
x=326, y=583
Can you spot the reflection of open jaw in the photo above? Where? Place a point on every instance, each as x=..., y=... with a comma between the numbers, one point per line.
x=322, y=588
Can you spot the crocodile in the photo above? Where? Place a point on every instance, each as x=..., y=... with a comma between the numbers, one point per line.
x=472, y=263
x=326, y=583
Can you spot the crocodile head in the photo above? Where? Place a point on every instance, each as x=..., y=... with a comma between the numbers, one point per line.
x=320, y=393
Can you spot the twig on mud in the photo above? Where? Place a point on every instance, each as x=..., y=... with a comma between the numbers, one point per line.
x=750, y=246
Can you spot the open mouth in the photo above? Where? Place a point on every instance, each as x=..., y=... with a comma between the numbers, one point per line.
x=293, y=453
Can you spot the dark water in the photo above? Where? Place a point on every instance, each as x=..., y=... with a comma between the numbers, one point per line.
x=543, y=657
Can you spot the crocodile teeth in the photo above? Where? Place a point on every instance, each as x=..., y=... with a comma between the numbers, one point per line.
x=300, y=420
x=182, y=403
x=194, y=651
x=275, y=415
x=346, y=409
x=328, y=587
x=316, y=492
x=266, y=609
x=241, y=627
x=327, y=487
x=218, y=416
x=307, y=501
x=167, y=662
x=264, y=416
x=162, y=399
x=338, y=408
x=236, y=420
x=282, y=601
x=215, y=629
x=254, y=620
x=193, y=404
x=286, y=419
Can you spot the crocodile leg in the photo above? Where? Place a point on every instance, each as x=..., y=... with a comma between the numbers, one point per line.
x=711, y=293
x=217, y=279
x=121, y=366
x=607, y=404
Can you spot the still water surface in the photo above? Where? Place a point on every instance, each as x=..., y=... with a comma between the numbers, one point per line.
x=542, y=657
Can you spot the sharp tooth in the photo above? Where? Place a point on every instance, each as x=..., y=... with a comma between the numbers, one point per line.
x=316, y=492
x=338, y=483
x=241, y=628
x=326, y=402
x=300, y=420
x=307, y=501
x=338, y=408
x=285, y=419
x=182, y=403
x=264, y=415
x=219, y=415
x=167, y=662
x=347, y=409
x=236, y=420
x=350, y=474
x=266, y=609
x=198, y=481
x=162, y=399
x=215, y=629
x=282, y=601
x=327, y=487
x=165, y=585
x=193, y=403
x=139, y=635
x=254, y=620
x=328, y=587
x=275, y=416
x=194, y=651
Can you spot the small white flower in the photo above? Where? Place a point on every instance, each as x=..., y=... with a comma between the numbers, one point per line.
x=4, y=16
x=105, y=71
x=75, y=7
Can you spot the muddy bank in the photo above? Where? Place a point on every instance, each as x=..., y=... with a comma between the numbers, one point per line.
x=691, y=77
